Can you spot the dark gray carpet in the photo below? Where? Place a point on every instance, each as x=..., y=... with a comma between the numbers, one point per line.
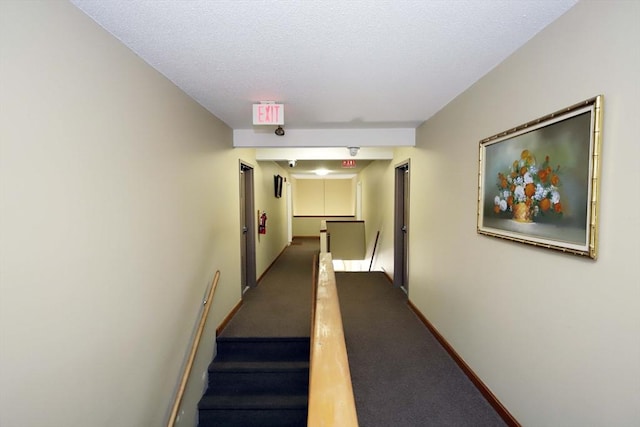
x=257, y=382
x=280, y=306
x=401, y=375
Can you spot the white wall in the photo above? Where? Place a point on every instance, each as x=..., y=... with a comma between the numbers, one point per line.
x=556, y=337
x=118, y=201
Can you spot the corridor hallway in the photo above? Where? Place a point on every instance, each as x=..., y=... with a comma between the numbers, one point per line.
x=401, y=375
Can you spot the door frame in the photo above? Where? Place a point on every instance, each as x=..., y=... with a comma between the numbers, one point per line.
x=247, y=227
x=359, y=201
x=289, y=213
x=401, y=226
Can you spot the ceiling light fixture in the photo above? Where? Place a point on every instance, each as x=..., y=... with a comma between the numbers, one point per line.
x=321, y=172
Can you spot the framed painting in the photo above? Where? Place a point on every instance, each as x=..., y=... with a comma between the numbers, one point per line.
x=538, y=183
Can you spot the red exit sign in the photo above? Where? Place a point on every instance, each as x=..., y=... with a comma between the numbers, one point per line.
x=268, y=114
x=348, y=163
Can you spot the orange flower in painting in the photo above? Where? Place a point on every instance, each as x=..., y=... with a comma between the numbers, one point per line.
x=545, y=204
x=529, y=190
x=530, y=186
x=528, y=157
x=543, y=175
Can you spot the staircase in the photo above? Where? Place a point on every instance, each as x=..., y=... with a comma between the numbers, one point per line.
x=257, y=382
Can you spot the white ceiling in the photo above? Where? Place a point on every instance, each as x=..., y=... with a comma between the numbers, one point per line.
x=360, y=73
x=334, y=64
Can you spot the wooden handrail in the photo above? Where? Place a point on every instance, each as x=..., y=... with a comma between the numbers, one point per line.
x=194, y=348
x=331, y=400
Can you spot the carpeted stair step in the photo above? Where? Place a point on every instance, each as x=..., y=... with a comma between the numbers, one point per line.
x=253, y=410
x=257, y=382
x=262, y=348
x=232, y=377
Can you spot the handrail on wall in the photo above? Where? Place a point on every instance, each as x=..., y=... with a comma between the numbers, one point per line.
x=194, y=348
x=331, y=400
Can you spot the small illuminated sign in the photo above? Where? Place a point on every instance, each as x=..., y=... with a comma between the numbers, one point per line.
x=349, y=163
x=268, y=114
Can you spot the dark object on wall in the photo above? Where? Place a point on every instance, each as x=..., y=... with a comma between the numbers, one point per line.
x=277, y=186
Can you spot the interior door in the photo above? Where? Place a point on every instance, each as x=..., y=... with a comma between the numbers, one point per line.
x=247, y=229
x=401, y=228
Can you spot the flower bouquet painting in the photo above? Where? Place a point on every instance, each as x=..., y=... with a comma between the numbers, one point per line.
x=528, y=191
x=538, y=183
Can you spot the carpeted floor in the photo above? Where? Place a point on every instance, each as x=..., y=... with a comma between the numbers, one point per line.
x=280, y=306
x=401, y=375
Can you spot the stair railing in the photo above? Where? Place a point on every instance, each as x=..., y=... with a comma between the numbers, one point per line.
x=194, y=349
x=331, y=400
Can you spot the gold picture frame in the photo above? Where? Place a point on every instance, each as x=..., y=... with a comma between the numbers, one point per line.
x=538, y=183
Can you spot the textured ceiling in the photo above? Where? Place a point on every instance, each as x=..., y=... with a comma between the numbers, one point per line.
x=333, y=64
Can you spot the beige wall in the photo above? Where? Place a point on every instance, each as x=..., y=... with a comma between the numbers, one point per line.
x=310, y=226
x=269, y=245
x=556, y=337
x=114, y=218
x=346, y=239
x=328, y=197
x=340, y=196
x=377, y=212
x=313, y=198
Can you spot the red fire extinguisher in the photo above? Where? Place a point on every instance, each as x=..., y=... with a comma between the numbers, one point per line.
x=262, y=223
